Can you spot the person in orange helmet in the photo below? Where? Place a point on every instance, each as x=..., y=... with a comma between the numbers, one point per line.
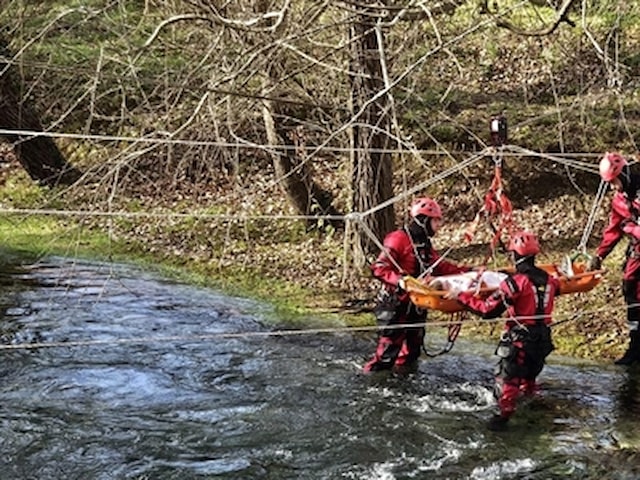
x=623, y=221
x=407, y=251
x=528, y=297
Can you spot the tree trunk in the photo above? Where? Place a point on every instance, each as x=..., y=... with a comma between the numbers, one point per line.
x=292, y=168
x=39, y=156
x=290, y=164
x=371, y=165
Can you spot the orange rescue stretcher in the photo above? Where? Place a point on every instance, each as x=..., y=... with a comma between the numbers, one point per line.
x=580, y=280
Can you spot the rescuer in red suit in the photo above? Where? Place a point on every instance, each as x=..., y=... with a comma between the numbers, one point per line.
x=528, y=296
x=407, y=251
x=623, y=220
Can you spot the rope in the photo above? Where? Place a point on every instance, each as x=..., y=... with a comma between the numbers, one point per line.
x=452, y=334
x=357, y=217
x=441, y=176
x=496, y=202
x=429, y=270
x=496, y=190
x=516, y=151
x=276, y=333
x=563, y=160
x=214, y=336
x=213, y=216
x=588, y=229
x=436, y=178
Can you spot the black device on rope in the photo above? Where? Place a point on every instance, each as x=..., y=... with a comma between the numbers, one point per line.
x=455, y=324
x=498, y=130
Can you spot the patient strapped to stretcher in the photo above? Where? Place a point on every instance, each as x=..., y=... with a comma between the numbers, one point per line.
x=467, y=281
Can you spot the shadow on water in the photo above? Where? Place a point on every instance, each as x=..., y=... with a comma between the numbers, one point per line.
x=142, y=378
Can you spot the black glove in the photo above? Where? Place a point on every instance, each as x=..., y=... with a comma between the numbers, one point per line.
x=595, y=263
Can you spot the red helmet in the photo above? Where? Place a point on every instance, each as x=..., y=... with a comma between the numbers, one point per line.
x=425, y=206
x=611, y=165
x=524, y=244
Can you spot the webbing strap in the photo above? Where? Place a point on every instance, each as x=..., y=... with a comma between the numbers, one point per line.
x=496, y=205
x=541, y=294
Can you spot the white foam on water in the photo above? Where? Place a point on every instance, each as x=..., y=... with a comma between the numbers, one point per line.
x=506, y=469
x=408, y=466
x=384, y=392
x=465, y=397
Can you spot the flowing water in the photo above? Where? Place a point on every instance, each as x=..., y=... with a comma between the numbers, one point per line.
x=136, y=377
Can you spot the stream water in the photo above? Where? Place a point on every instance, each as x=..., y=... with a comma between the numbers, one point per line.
x=133, y=376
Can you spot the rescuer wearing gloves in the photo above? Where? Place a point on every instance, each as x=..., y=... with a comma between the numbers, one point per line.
x=528, y=296
x=623, y=219
x=407, y=251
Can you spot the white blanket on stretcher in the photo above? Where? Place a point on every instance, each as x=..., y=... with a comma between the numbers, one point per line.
x=467, y=281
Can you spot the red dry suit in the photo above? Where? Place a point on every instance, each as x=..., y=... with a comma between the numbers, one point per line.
x=623, y=220
x=412, y=254
x=528, y=296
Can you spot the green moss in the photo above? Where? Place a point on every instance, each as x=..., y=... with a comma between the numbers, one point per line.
x=19, y=191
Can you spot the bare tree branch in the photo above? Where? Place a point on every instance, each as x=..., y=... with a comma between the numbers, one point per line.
x=272, y=19
x=414, y=10
x=170, y=21
x=562, y=16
